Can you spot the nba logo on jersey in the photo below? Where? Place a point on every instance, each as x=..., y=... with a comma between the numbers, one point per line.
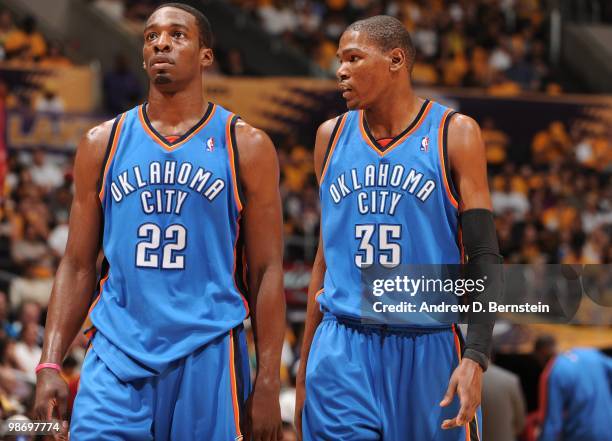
x=210, y=144
x=425, y=144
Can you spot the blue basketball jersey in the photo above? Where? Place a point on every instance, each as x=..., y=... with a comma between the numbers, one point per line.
x=387, y=205
x=173, y=275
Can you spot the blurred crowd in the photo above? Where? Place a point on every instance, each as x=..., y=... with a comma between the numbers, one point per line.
x=22, y=44
x=499, y=45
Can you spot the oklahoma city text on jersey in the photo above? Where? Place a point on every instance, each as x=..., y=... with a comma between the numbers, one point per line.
x=396, y=181
x=166, y=200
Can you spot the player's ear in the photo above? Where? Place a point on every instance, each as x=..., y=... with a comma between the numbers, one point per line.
x=398, y=59
x=206, y=56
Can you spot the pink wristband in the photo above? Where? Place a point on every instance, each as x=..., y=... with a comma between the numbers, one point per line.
x=42, y=366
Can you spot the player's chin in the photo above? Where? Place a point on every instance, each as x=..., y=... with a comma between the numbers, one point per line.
x=352, y=103
x=162, y=78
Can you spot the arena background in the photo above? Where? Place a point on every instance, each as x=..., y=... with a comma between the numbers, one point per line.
x=533, y=73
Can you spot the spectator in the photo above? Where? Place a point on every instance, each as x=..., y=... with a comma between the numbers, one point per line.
x=6, y=28
x=30, y=249
x=50, y=102
x=59, y=237
x=45, y=172
x=55, y=57
x=31, y=287
x=507, y=199
x=496, y=142
x=53, y=105
x=29, y=312
x=27, y=351
x=277, y=17
x=26, y=43
x=503, y=405
x=551, y=144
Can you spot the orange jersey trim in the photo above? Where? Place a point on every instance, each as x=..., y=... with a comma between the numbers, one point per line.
x=233, y=385
x=333, y=146
x=244, y=300
x=161, y=140
x=111, y=155
x=97, y=299
x=230, y=153
x=449, y=194
x=319, y=292
x=395, y=143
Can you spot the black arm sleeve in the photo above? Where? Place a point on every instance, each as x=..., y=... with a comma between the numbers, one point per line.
x=481, y=247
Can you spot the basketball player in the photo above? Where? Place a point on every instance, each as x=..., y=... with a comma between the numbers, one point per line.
x=398, y=175
x=574, y=404
x=182, y=197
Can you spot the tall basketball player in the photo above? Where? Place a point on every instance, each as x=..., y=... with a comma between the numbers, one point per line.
x=398, y=176
x=182, y=197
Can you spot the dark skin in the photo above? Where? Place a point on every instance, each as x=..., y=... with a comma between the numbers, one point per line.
x=379, y=82
x=174, y=59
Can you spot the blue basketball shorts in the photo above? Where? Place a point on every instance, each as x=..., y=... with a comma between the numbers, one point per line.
x=372, y=383
x=199, y=397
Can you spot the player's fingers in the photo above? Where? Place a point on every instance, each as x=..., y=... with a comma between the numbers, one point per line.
x=62, y=405
x=463, y=416
x=449, y=424
x=450, y=393
x=42, y=410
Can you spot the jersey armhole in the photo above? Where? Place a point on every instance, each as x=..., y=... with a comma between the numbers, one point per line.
x=235, y=160
x=331, y=145
x=453, y=194
x=109, y=154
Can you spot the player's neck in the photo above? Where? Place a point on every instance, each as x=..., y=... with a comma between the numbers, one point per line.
x=174, y=108
x=393, y=113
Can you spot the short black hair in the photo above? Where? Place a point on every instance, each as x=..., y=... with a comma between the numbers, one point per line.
x=206, y=35
x=388, y=33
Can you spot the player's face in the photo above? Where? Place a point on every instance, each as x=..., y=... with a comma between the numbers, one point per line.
x=364, y=72
x=172, y=52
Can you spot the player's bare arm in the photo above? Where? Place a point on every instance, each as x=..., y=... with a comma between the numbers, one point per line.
x=76, y=276
x=262, y=221
x=313, y=313
x=466, y=154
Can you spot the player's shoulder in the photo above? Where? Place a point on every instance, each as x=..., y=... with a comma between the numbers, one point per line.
x=254, y=146
x=98, y=136
x=327, y=131
x=327, y=128
x=250, y=137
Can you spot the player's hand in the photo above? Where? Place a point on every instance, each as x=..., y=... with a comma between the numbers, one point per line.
x=467, y=382
x=263, y=407
x=300, y=396
x=51, y=398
